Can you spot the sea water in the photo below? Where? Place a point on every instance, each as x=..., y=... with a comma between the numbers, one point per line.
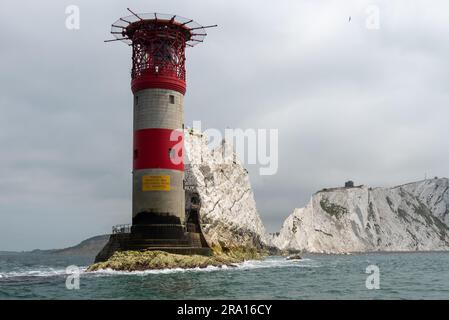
x=399, y=275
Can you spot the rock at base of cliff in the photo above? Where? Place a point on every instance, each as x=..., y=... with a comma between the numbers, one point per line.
x=156, y=260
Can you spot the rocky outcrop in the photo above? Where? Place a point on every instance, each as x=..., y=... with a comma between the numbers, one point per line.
x=156, y=260
x=409, y=217
x=229, y=216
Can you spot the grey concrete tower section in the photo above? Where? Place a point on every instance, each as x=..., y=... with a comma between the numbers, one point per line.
x=158, y=109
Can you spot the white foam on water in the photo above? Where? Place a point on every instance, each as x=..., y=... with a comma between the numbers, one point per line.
x=277, y=263
x=42, y=272
x=110, y=272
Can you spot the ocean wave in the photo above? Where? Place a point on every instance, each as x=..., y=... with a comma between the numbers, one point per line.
x=43, y=272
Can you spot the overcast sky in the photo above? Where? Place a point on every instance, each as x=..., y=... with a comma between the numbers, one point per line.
x=349, y=103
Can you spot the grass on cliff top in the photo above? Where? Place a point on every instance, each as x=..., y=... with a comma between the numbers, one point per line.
x=156, y=260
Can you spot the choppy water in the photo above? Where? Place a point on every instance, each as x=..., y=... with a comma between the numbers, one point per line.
x=402, y=276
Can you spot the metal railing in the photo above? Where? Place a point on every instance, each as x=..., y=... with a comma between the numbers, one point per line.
x=121, y=228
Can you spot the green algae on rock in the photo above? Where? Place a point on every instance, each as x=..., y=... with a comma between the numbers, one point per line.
x=240, y=253
x=147, y=260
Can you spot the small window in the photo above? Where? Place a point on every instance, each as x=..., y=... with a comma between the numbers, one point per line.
x=136, y=153
x=172, y=99
x=136, y=100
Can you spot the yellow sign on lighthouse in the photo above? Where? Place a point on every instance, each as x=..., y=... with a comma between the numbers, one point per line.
x=156, y=183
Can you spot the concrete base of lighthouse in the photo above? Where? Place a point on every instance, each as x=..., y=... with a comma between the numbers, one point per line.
x=124, y=242
x=186, y=238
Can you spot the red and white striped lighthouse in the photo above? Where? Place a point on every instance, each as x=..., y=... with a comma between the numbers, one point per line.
x=158, y=84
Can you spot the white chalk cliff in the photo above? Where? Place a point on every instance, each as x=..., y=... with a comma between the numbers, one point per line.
x=228, y=211
x=409, y=217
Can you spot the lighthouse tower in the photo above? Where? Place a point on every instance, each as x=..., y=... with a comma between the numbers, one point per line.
x=158, y=83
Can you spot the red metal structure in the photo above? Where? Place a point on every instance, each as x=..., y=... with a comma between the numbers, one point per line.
x=159, y=42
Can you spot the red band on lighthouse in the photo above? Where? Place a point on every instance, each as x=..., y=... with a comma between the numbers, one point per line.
x=158, y=149
x=151, y=79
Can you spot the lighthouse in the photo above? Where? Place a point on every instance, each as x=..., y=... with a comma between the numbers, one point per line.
x=158, y=84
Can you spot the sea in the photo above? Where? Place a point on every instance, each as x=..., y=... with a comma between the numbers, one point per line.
x=40, y=275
